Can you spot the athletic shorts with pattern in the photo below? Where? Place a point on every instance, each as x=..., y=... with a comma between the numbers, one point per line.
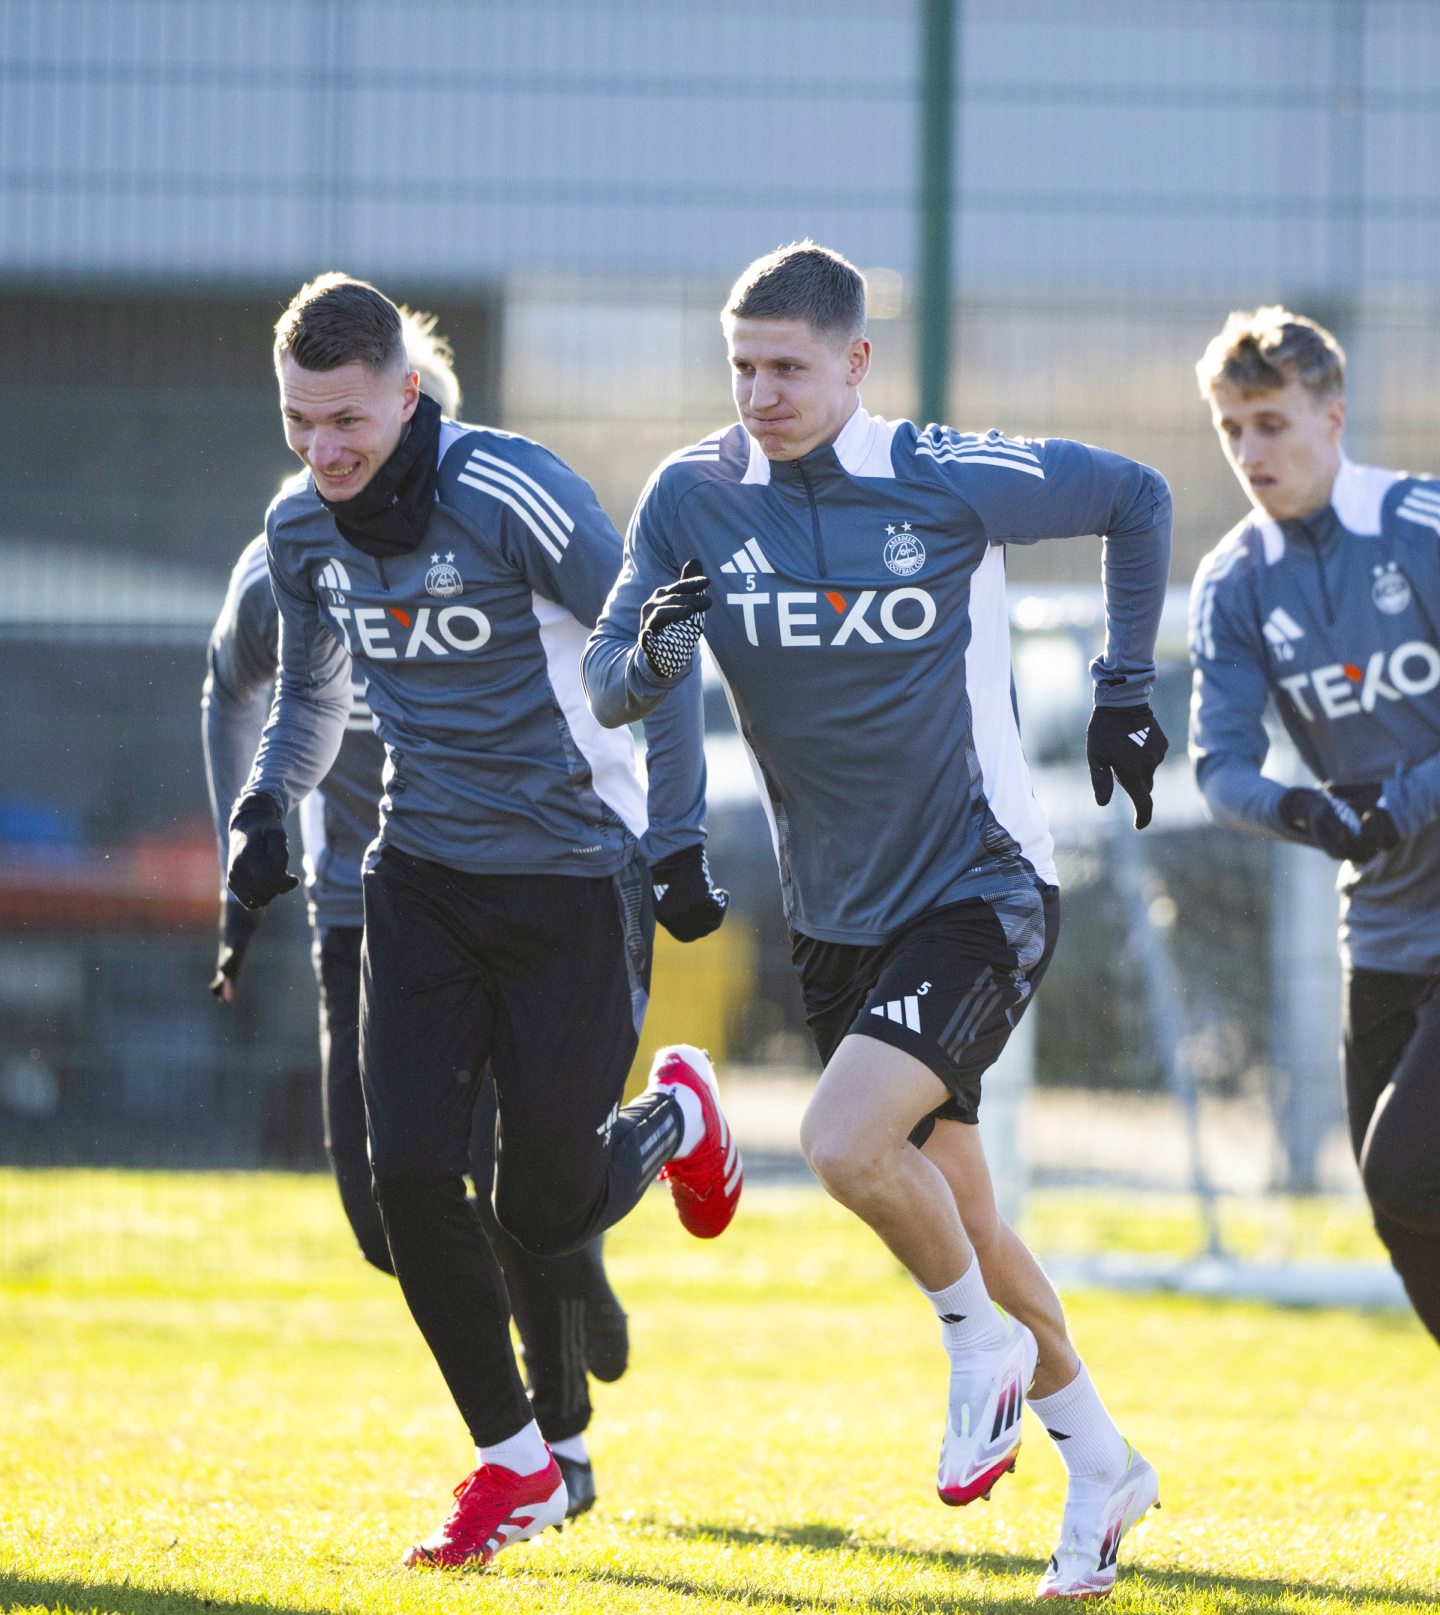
x=949, y=987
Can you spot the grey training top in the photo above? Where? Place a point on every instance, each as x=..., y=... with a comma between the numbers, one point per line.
x=338, y=819
x=470, y=652
x=861, y=625
x=1335, y=620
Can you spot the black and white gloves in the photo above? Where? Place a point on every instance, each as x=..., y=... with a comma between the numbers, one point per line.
x=672, y=621
x=687, y=902
x=1125, y=744
x=1345, y=821
x=259, y=852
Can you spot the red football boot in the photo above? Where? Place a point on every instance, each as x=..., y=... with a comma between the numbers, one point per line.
x=705, y=1184
x=493, y=1508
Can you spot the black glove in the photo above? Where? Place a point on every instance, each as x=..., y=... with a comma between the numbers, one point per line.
x=258, y=852
x=237, y=926
x=673, y=619
x=1125, y=743
x=687, y=902
x=1329, y=822
x=1377, y=828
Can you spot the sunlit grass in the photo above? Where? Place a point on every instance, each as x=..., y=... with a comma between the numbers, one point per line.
x=210, y=1404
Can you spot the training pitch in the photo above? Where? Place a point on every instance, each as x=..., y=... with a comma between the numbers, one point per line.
x=210, y=1405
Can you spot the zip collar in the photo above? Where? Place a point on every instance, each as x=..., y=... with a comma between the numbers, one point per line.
x=1355, y=500
x=857, y=451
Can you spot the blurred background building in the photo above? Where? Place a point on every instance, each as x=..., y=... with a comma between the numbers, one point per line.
x=1090, y=185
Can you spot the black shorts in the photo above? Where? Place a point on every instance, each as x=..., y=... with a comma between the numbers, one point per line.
x=948, y=987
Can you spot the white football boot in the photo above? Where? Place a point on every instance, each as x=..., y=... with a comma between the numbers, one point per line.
x=1083, y=1566
x=982, y=1427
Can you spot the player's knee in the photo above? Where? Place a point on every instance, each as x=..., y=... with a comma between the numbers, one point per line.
x=414, y=1204
x=846, y=1162
x=543, y=1228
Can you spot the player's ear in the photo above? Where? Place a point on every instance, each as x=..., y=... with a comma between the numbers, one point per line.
x=1335, y=413
x=858, y=357
x=410, y=393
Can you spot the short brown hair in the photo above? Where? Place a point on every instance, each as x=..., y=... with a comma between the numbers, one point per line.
x=1263, y=351
x=336, y=320
x=801, y=282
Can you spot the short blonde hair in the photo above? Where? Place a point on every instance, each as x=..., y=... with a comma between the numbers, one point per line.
x=431, y=356
x=1262, y=351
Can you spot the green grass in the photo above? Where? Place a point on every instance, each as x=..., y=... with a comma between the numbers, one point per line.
x=209, y=1405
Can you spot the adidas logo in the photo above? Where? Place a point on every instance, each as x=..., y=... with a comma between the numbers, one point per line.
x=903, y=1011
x=1139, y=736
x=748, y=558
x=1281, y=630
x=660, y=890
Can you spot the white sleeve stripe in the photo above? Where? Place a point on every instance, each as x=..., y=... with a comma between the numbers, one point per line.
x=515, y=472
x=1421, y=518
x=1204, y=617
x=985, y=459
x=493, y=483
x=509, y=477
x=546, y=541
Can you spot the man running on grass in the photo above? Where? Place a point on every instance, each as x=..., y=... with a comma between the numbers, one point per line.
x=504, y=896
x=848, y=574
x=570, y=1321
x=1326, y=600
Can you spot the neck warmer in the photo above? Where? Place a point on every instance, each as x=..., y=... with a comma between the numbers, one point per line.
x=390, y=513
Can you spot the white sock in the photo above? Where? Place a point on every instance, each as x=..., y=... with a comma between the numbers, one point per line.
x=969, y=1320
x=1091, y=1448
x=573, y=1448
x=693, y=1132
x=524, y=1452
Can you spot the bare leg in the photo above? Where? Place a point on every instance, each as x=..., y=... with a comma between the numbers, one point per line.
x=855, y=1135
x=1012, y=1275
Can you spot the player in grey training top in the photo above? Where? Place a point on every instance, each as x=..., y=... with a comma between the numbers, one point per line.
x=851, y=575
x=568, y=1316
x=506, y=901
x=1326, y=600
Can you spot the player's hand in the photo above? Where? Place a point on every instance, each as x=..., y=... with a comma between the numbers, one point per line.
x=1367, y=797
x=259, y=852
x=1326, y=820
x=687, y=902
x=672, y=621
x=237, y=926
x=1125, y=743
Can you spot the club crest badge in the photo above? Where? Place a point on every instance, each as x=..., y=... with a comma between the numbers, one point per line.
x=442, y=579
x=1391, y=589
x=904, y=553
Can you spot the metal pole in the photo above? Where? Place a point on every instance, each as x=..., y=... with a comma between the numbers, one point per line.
x=937, y=133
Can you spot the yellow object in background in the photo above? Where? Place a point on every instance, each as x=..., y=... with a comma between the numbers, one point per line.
x=697, y=990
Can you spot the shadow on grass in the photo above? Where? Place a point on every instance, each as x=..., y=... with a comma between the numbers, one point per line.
x=123, y=1598
x=1218, y=1594
x=1222, y=1595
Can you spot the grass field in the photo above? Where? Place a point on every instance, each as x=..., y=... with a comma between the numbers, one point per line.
x=209, y=1405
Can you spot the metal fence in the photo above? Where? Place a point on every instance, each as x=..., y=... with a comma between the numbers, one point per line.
x=572, y=185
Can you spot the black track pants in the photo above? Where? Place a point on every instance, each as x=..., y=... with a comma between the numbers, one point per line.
x=543, y=978
x=1392, y=1095
x=548, y=1294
